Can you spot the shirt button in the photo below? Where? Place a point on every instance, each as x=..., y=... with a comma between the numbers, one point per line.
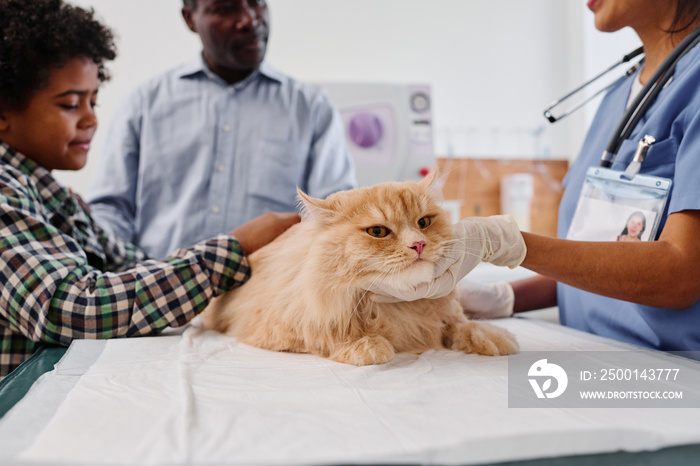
x=226, y=128
x=231, y=90
x=220, y=168
x=215, y=210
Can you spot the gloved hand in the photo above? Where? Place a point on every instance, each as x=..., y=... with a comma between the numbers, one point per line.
x=486, y=300
x=494, y=239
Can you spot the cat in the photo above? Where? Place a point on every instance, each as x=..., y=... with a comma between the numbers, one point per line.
x=307, y=292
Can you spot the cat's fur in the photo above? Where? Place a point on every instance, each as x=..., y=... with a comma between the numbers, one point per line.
x=307, y=290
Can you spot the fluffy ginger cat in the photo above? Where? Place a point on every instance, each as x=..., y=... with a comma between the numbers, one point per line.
x=307, y=291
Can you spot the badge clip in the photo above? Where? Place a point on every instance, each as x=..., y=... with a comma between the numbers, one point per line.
x=639, y=156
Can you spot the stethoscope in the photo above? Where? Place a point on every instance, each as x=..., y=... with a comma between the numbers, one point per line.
x=642, y=101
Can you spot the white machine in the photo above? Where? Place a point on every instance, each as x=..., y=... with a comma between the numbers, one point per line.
x=388, y=128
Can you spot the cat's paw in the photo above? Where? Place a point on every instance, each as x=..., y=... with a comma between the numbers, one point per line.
x=483, y=338
x=365, y=351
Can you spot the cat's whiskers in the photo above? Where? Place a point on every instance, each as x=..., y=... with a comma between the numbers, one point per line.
x=367, y=291
x=453, y=247
x=368, y=270
x=394, y=260
x=376, y=266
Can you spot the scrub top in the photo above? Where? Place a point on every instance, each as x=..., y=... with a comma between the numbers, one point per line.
x=674, y=120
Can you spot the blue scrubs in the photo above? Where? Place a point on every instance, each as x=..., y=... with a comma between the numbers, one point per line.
x=674, y=120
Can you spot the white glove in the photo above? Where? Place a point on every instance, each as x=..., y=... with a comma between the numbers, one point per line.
x=494, y=239
x=486, y=300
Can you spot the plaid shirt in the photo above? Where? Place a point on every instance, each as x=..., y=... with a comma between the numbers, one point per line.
x=64, y=278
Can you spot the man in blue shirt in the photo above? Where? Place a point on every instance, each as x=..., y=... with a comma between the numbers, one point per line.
x=218, y=141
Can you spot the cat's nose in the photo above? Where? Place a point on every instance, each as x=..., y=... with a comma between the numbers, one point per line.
x=418, y=246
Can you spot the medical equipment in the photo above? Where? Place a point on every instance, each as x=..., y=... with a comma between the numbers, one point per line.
x=644, y=99
x=647, y=95
x=548, y=112
x=388, y=128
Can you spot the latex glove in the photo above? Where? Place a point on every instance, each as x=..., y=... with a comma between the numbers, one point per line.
x=494, y=239
x=486, y=300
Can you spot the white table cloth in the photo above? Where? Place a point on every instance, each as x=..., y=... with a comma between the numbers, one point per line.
x=203, y=398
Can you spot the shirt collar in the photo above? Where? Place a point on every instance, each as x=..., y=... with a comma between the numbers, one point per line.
x=52, y=193
x=199, y=67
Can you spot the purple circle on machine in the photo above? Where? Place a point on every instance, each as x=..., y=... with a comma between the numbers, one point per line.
x=365, y=129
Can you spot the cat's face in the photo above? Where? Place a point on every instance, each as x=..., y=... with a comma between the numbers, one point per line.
x=395, y=232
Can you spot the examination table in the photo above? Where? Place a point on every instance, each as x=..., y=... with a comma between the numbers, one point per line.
x=202, y=398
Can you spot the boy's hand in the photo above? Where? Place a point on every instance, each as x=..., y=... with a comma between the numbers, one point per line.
x=263, y=229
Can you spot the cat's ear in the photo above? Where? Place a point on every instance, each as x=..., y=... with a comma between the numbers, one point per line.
x=312, y=207
x=433, y=183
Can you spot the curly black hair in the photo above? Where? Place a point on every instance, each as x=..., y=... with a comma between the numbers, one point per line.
x=39, y=36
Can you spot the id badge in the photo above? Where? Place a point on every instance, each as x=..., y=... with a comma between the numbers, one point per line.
x=613, y=207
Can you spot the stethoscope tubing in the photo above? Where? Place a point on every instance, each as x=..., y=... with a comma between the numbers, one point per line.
x=647, y=95
x=625, y=59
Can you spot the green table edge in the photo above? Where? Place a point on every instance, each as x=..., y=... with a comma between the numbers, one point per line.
x=19, y=381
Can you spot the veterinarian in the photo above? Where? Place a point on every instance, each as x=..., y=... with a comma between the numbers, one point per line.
x=217, y=141
x=64, y=277
x=646, y=292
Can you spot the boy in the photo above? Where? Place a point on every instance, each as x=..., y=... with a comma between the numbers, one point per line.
x=62, y=276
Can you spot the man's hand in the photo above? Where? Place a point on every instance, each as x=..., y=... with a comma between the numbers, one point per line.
x=263, y=229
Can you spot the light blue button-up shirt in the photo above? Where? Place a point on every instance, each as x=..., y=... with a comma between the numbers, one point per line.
x=189, y=156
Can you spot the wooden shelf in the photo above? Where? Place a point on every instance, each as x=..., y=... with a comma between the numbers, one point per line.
x=476, y=183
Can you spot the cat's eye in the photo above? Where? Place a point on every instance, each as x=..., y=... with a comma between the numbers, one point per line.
x=378, y=231
x=424, y=222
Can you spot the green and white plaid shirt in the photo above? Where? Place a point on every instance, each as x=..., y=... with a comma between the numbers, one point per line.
x=64, y=278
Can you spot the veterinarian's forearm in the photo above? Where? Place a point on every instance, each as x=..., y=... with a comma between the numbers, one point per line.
x=654, y=273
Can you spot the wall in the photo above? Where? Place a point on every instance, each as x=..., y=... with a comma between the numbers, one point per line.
x=600, y=51
x=493, y=65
